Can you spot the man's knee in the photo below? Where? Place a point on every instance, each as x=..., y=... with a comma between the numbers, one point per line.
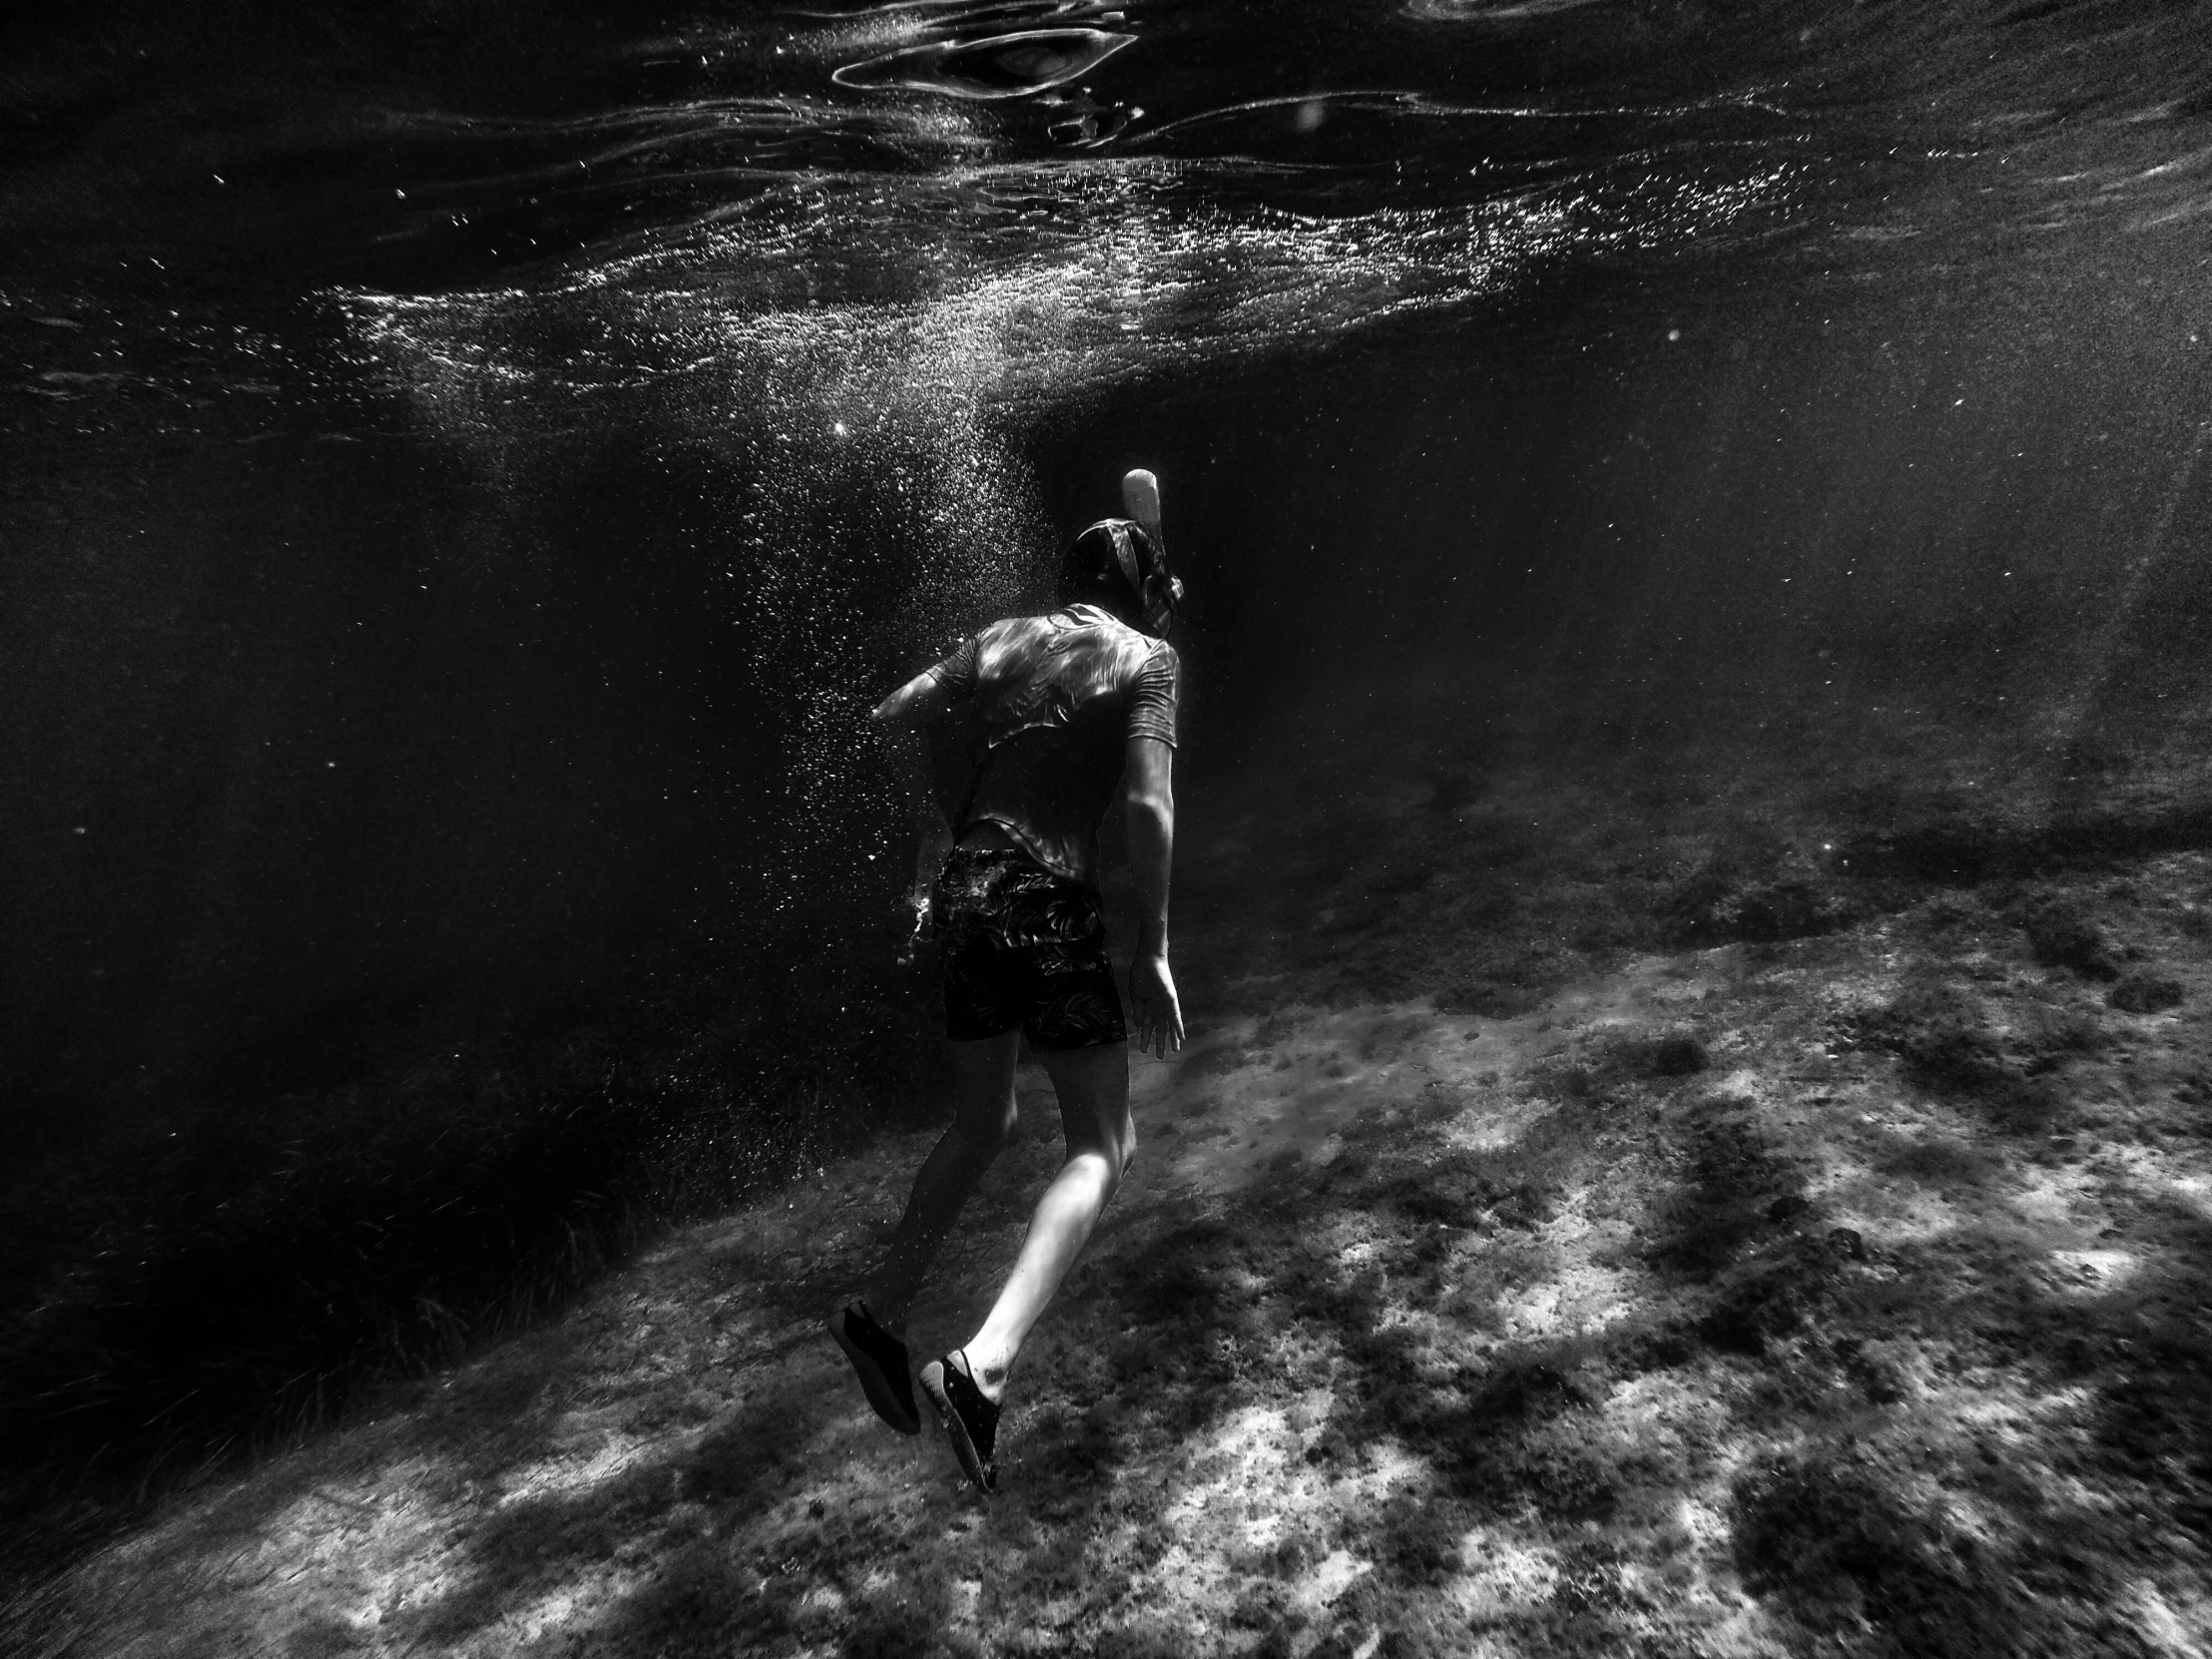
x=986, y=1130
x=1117, y=1149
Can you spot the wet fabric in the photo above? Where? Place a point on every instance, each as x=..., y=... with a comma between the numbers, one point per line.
x=1021, y=945
x=1045, y=708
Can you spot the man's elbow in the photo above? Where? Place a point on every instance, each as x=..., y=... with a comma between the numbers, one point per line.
x=1153, y=809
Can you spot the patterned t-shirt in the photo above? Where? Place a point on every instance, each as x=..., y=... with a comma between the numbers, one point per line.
x=1044, y=707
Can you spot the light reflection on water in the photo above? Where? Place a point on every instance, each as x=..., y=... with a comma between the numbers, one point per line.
x=1001, y=321
x=1027, y=284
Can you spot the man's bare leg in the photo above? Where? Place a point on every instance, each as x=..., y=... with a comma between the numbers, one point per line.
x=983, y=1115
x=1093, y=1086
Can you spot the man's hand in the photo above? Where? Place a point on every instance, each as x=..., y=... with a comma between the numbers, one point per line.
x=1159, y=1011
x=932, y=846
x=918, y=911
x=899, y=719
x=934, y=840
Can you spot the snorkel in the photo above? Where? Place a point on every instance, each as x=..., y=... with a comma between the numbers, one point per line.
x=1135, y=550
x=1140, y=493
x=1141, y=551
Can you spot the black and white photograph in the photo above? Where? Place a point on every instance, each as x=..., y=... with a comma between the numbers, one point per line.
x=1051, y=829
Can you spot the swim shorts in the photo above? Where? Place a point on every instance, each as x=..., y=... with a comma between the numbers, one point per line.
x=1021, y=945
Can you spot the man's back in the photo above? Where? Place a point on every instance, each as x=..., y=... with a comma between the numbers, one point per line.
x=1043, y=709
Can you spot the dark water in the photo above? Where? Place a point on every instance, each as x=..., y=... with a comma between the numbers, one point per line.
x=470, y=466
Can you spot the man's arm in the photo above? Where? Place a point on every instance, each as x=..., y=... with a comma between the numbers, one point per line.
x=915, y=705
x=899, y=718
x=1150, y=767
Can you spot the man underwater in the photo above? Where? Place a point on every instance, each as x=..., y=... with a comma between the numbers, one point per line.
x=1050, y=713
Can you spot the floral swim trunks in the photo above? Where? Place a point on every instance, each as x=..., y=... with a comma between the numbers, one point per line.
x=1019, y=946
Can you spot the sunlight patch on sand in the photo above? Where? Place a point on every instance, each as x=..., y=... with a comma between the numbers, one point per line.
x=1532, y=1314
x=2052, y=1195
x=1328, y=1578
x=1663, y=1414
x=558, y=1610
x=1356, y=1251
x=1744, y=1083
x=2195, y=1191
x=564, y=1472
x=2003, y=1417
x=1250, y=1458
x=2014, y=1410
x=1876, y=1210
x=1250, y=1450
x=2091, y=1271
x=1496, y=1124
x=2163, y=1629
x=825, y=1598
x=331, y=1561
x=1250, y=1489
x=1506, y=1577
x=2149, y=1168
x=1705, y=1525
x=1389, y=1467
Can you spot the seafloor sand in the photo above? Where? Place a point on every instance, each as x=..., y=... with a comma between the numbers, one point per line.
x=1651, y=1199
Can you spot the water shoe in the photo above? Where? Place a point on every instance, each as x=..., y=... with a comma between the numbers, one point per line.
x=970, y=1420
x=880, y=1359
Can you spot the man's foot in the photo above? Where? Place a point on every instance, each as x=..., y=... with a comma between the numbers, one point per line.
x=880, y=1359
x=970, y=1420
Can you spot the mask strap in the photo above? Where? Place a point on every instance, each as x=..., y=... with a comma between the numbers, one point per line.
x=1122, y=533
x=1125, y=555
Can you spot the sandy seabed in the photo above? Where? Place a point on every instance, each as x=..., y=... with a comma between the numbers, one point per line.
x=1652, y=1201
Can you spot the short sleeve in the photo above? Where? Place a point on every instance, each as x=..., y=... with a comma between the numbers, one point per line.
x=958, y=671
x=1153, y=695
